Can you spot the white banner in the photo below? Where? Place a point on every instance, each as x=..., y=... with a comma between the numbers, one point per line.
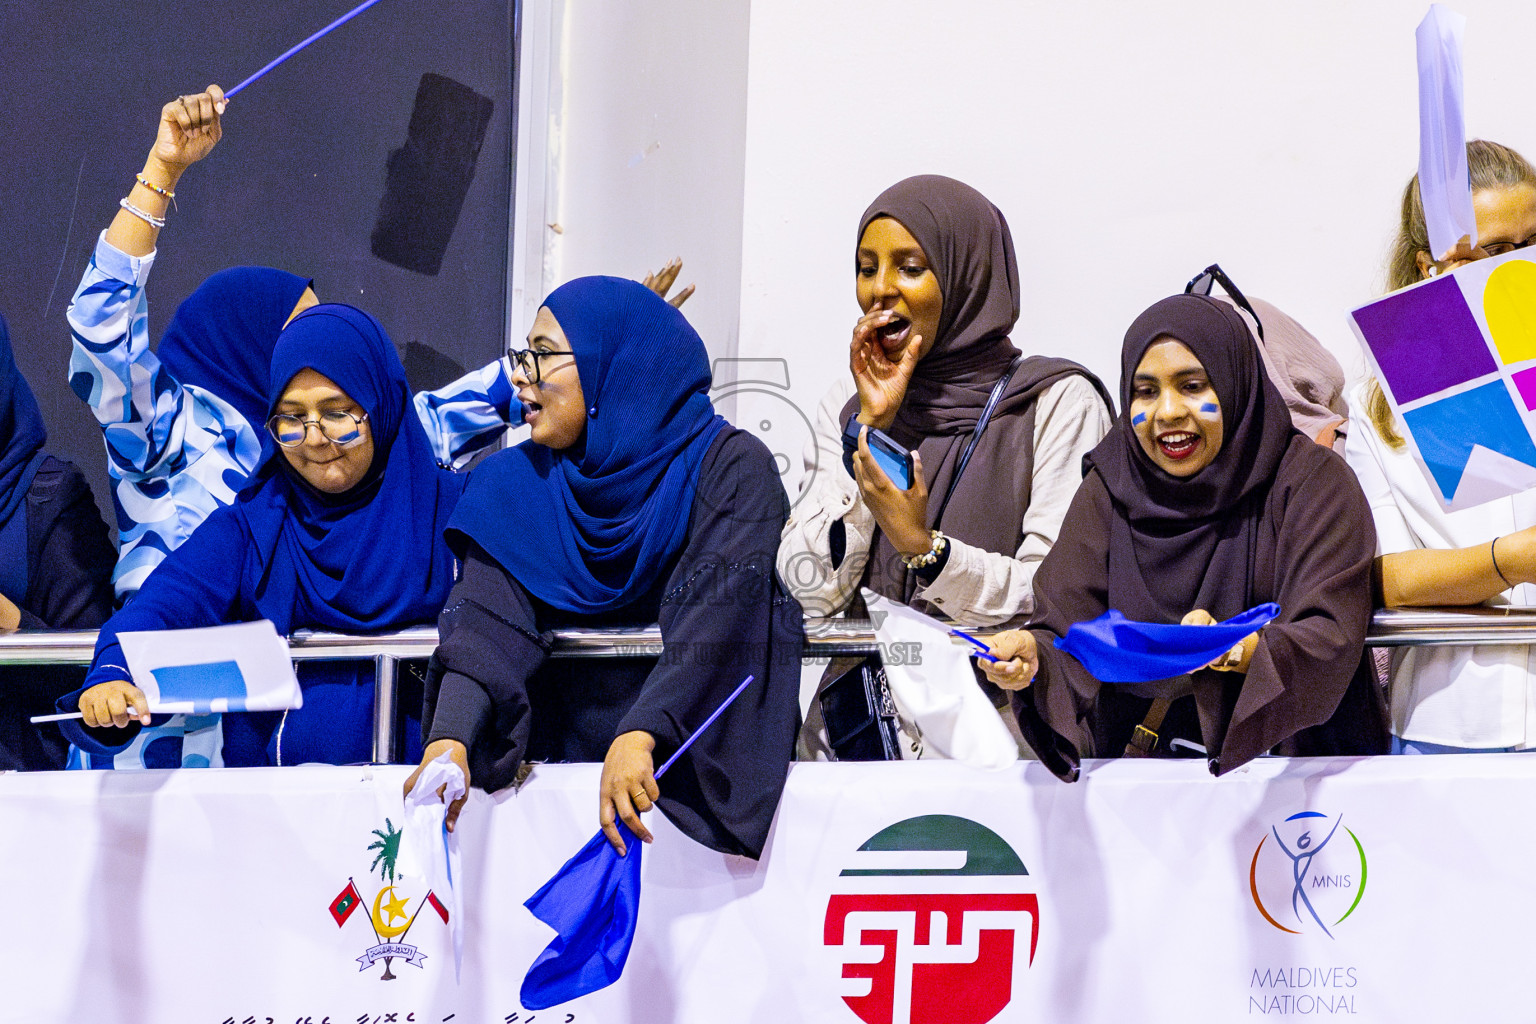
x=1387, y=889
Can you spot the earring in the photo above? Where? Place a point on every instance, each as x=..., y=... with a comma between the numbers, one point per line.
x=592, y=412
x=1434, y=270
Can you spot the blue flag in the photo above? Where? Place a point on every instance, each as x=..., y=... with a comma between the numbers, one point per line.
x=592, y=903
x=1116, y=650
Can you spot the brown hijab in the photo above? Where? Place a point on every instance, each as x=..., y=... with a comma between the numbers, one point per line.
x=1185, y=543
x=1273, y=517
x=970, y=250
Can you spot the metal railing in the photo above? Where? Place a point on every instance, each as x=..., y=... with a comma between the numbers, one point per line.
x=1404, y=627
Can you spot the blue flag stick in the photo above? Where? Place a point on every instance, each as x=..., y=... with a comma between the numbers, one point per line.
x=707, y=723
x=354, y=12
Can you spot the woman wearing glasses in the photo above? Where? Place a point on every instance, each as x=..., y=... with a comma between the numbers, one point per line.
x=340, y=530
x=182, y=424
x=633, y=502
x=1448, y=699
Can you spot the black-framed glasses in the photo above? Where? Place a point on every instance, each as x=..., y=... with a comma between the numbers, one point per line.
x=527, y=360
x=1212, y=275
x=337, y=427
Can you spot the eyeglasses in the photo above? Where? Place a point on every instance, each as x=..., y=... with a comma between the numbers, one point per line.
x=337, y=427
x=527, y=360
x=1483, y=252
x=1202, y=282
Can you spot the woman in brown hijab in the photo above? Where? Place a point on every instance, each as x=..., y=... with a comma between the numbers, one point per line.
x=1203, y=502
x=938, y=285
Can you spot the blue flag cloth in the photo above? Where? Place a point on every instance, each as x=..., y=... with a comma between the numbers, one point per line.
x=1115, y=649
x=592, y=903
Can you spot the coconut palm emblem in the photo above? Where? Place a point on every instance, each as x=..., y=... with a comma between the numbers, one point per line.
x=391, y=917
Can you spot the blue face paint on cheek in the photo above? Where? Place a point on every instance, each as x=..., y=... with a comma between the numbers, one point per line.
x=1211, y=409
x=1138, y=419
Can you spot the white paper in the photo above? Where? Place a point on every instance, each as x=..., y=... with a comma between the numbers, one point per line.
x=244, y=666
x=932, y=683
x=429, y=849
x=1444, y=188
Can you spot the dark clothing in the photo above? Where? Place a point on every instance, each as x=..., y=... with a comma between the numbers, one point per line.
x=1304, y=691
x=722, y=616
x=69, y=559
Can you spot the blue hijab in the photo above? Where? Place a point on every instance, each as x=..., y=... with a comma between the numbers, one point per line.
x=592, y=527
x=221, y=337
x=371, y=558
x=22, y=435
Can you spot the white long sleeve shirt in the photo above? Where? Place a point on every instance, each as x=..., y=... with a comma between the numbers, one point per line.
x=976, y=587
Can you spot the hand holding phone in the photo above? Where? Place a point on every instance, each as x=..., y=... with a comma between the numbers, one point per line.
x=894, y=460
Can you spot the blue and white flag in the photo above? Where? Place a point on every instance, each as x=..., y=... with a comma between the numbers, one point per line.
x=240, y=667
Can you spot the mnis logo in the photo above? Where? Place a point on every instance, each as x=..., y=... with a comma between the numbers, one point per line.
x=934, y=922
x=1308, y=873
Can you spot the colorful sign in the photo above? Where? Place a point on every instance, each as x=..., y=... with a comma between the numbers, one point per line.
x=1456, y=357
x=936, y=925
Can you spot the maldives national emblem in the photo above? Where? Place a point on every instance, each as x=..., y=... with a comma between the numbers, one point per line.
x=391, y=917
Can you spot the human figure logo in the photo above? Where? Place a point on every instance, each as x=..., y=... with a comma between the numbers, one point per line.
x=935, y=921
x=1308, y=873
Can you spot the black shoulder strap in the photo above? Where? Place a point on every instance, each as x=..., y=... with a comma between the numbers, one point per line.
x=981, y=424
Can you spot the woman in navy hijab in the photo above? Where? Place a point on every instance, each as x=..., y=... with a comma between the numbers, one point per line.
x=55, y=566
x=632, y=502
x=340, y=530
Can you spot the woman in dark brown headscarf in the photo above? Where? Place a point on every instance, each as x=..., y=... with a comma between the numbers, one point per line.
x=1203, y=502
x=938, y=284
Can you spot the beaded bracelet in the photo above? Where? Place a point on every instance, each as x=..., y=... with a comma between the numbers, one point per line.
x=153, y=187
x=148, y=218
x=939, y=542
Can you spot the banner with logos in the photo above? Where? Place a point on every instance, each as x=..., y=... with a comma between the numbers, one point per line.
x=1386, y=889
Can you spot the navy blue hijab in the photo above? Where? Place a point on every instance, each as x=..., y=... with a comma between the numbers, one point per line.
x=22, y=435
x=221, y=337
x=592, y=527
x=371, y=558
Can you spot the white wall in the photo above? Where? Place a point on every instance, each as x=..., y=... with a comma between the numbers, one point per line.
x=1129, y=144
x=646, y=159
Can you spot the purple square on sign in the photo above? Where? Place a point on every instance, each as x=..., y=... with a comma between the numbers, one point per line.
x=1425, y=339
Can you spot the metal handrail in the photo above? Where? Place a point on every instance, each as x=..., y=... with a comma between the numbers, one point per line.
x=1401, y=627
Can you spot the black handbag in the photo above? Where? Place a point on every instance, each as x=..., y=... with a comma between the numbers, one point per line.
x=856, y=704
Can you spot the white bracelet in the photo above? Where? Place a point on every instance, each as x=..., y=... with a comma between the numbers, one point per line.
x=148, y=218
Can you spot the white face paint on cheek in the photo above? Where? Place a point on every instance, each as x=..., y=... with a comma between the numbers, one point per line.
x=1210, y=410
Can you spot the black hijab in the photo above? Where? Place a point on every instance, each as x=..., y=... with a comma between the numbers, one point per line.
x=1184, y=543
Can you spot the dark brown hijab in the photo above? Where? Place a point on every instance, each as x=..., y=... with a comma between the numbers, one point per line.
x=1274, y=517
x=1186, y=543
x=970, y=251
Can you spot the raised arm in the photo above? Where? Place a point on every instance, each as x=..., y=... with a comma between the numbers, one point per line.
x=139, y=406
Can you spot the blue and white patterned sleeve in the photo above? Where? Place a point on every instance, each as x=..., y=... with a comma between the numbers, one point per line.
x=175, y=454
x=470, y=414
x=138, y=404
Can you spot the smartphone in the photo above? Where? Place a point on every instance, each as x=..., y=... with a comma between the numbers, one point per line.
x=895, y=460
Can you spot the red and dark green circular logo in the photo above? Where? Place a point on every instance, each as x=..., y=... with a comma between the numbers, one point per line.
x=935, y=919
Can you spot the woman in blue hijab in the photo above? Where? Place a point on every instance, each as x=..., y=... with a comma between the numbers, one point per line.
x=55, y=566
x=340, y=530
x=632, y=502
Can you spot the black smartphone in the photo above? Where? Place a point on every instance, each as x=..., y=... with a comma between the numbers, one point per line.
x=891, y=457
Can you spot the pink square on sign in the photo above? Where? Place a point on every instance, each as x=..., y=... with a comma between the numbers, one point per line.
x=1525, y=382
